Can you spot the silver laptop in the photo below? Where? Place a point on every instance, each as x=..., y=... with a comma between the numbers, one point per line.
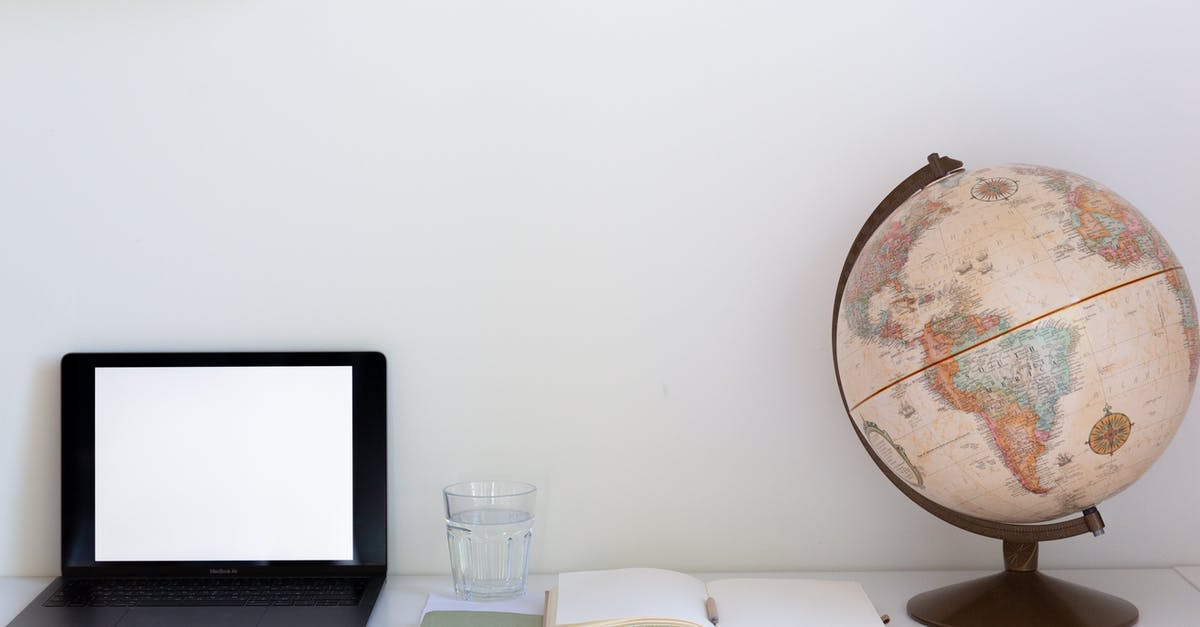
x=220, y=489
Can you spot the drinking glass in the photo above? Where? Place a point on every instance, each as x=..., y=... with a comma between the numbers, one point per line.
x=489, y=526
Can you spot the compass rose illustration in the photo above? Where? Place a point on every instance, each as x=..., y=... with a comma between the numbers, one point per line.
x=1110, y=432
x=993, y=189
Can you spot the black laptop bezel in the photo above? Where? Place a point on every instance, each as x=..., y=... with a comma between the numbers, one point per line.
x=369, y=465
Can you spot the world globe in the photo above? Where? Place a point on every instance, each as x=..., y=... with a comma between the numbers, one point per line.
x=1017, y=343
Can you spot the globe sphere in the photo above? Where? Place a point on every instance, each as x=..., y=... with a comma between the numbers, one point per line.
x=1017, y=343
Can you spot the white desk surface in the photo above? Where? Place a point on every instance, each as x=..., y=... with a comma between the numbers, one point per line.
x=1191, y=573
x=1165, y=597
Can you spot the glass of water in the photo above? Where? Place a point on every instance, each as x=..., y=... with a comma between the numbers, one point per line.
x=489, y=525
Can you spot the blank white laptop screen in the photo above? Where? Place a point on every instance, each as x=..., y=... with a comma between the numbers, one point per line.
x=224, y=463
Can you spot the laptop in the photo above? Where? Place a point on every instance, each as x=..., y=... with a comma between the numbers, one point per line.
x=220, y=490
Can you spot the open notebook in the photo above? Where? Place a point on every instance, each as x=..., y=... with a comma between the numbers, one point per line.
x=635, y=597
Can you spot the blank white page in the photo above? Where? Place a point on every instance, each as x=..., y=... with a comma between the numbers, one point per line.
x=629, y=593
x=792, y=602
x=224, y=463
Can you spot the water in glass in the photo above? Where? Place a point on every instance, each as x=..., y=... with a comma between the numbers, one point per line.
x=489, y=552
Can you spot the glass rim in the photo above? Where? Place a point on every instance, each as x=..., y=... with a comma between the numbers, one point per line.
x=463, y=489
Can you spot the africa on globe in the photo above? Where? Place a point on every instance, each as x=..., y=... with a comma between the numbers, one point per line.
x=1017, y=343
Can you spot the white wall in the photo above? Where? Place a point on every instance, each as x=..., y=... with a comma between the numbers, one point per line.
x=597, y=240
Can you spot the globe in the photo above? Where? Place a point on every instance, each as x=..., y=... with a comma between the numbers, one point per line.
x=1016, y=343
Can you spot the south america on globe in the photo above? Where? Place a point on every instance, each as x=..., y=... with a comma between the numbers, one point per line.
x=1017, y=343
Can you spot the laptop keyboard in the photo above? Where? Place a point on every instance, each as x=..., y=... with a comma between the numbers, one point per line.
x=306, y=591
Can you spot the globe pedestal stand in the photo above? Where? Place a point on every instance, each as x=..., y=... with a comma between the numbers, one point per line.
x=1020, y=596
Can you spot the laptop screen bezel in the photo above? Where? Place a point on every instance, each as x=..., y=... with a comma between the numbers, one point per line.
x=369, y=443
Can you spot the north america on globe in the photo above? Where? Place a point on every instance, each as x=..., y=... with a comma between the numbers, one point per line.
x=1017, y=343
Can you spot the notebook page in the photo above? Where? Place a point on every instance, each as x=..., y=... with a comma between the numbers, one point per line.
x=788, y=602
x=595, y=595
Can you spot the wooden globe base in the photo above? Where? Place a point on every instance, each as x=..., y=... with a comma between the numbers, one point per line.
x=1020, y=596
